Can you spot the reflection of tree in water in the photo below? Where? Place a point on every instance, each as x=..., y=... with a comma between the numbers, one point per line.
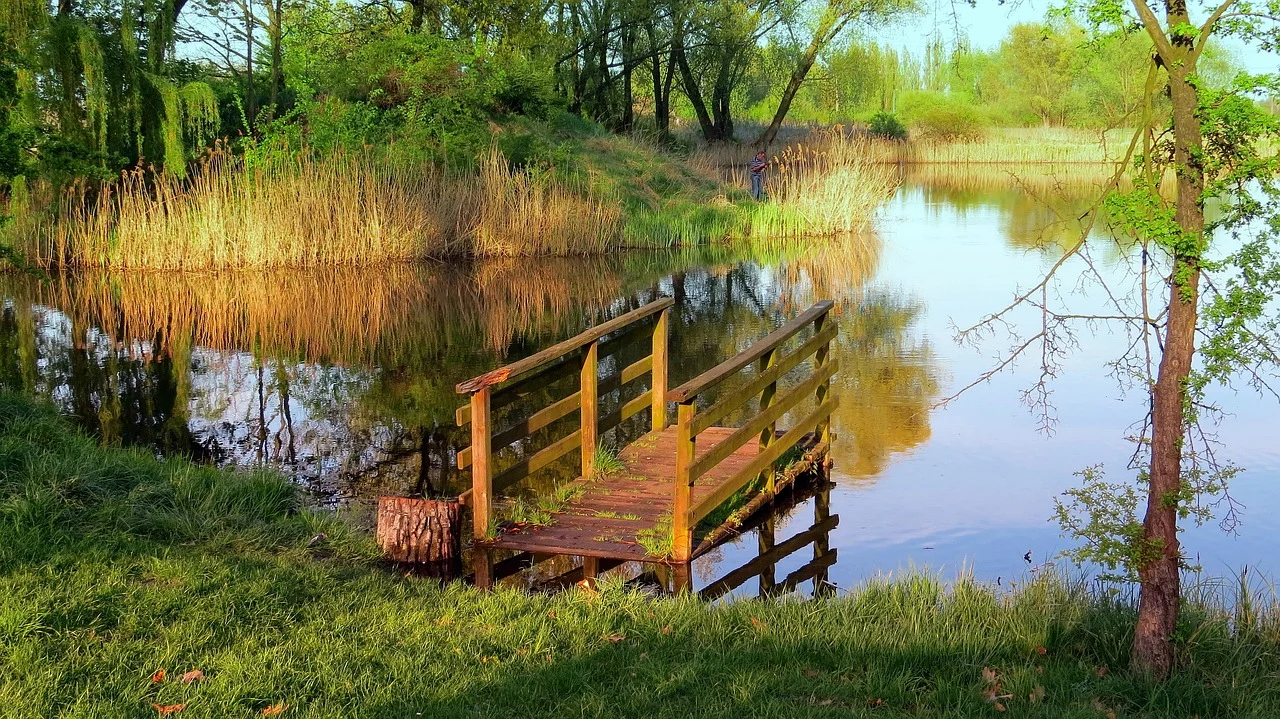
x=346, y=378
x=1040, y=206
x=887, y=379
x=887, y=382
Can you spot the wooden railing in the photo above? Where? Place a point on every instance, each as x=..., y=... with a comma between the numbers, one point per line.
x=771, y=364
x=579, y=355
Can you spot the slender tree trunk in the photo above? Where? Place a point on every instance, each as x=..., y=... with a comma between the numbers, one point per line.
x=277, y=52
x=690, y=83
x=827, y=29
x=1160, y=583
x=251, y=93
x=627, y=119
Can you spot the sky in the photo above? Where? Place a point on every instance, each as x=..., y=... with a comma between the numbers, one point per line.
x=988, y=22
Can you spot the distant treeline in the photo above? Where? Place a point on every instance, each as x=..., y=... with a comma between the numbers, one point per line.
x=1041, y=74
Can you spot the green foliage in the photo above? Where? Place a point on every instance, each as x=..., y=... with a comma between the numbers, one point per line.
x=947, y=120
x=887, y=125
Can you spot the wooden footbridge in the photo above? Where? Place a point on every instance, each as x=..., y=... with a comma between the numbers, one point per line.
x=666, y=498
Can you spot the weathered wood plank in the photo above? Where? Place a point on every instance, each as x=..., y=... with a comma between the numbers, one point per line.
x=761, y=422
x=482, y=468
x=681, y=521
x=536, y=461
x=660, y=354
x=626, y=411
x=534, y=361
x=588, y=386
x=725, y=489
x=716, y=412
x=536, y=421
x=716, y=374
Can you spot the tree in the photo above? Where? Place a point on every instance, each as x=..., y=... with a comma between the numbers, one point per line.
x=832, y=21
x=1207, y=148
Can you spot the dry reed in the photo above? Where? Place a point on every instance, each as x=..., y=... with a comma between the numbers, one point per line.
x=301, y=212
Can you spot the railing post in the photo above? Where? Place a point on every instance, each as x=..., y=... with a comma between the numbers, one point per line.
x=481, y=483
x=766, y=399
x=587, y=385
x=658, y=410
x=681, y=507
x=824, y=389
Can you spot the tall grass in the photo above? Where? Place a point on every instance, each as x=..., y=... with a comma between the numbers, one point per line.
x=114, y=565
x=303, y=212
x=1013, y=146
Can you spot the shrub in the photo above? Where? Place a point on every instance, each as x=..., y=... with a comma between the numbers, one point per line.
x=950, y=122
x=887, y=125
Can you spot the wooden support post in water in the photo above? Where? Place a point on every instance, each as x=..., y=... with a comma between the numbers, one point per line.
x=590, y=567
x=681, y=508
x=660, y=371
x=588, y=385
x=822, y=545
x=768, y=579
x=423, y=533
x=481, y=485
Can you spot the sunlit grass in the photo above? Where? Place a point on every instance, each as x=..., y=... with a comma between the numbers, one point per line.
x=114, y=565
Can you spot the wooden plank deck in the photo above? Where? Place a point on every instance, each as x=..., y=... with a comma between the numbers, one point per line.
x=606, y=518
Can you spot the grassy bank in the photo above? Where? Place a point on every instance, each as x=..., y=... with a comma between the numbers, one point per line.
x=114, y=566
x=541, y=189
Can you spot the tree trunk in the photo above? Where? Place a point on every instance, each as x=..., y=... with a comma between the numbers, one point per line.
x=1159, y=580
x=423, y=533
x=709, y=130
x=251, y=93
x=826, y=31
x=277, y=53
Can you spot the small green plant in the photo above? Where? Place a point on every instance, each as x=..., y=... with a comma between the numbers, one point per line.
x=605, y=462
x=657, y=540
x=887, y=125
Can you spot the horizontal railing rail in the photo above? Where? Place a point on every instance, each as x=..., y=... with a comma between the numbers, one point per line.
x=579, y=355
x=772, y=363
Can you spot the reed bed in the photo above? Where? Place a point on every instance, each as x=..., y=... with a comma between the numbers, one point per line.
x=303, y=212
x=1010, y=146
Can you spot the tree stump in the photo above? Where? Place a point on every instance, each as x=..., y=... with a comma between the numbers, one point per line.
x=422, y=533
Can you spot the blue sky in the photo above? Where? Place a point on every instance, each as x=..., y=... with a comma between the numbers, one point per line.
x=987, y=23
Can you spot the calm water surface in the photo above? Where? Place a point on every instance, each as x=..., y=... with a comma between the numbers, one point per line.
x=344, y=378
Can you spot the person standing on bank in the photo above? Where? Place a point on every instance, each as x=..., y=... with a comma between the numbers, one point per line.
x=758, y=166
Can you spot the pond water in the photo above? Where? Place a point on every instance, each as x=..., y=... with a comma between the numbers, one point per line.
x=344, y=378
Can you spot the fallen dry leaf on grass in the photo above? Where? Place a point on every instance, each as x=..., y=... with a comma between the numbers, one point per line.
x=167, y=709
x=812, y=673
x=757, y=623
x=1037, y=694
x=275, y=710
x=194, y=675
x=159, y=676
x=615, y=638
x=666, y=629
x=1102, y=671
x=1041, y=651
x=874, y=703
x=999, y=707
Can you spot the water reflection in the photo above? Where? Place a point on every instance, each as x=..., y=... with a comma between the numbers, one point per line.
x=344, y=378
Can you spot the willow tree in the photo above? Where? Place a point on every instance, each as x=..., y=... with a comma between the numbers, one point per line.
x=1202, y=309
x=96, y=90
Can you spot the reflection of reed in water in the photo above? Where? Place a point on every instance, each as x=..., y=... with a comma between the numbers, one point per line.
x=338, y=315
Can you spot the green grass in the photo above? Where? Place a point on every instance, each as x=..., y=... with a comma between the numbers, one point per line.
x=114, y=565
